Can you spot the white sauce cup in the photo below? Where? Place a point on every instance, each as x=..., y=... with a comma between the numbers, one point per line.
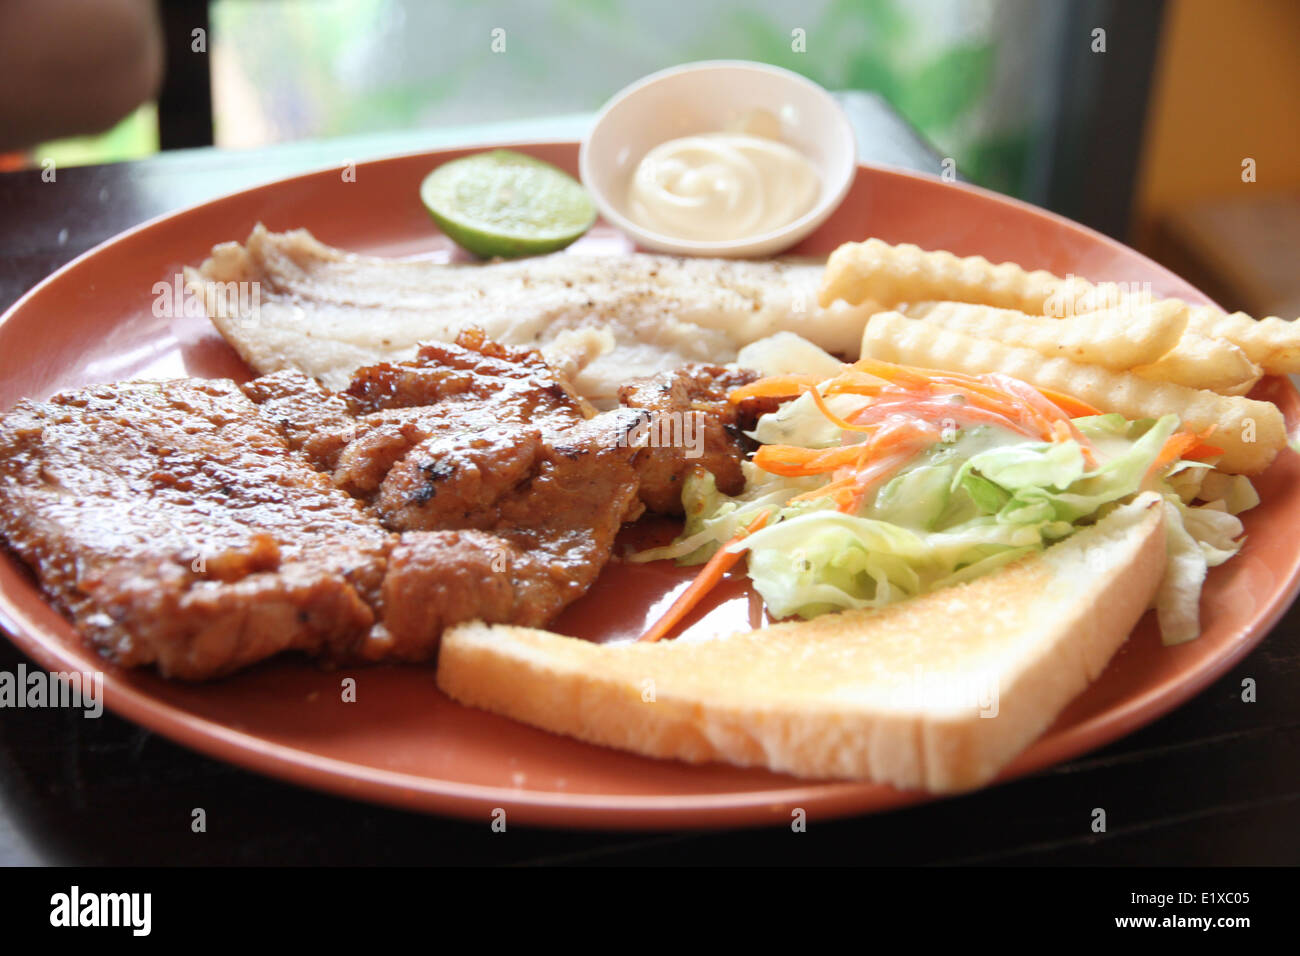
x=707, y=97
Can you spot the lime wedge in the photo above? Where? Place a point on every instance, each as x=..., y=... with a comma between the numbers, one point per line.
x=507, y=204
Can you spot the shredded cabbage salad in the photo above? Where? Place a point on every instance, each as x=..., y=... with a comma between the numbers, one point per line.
x=887, y=482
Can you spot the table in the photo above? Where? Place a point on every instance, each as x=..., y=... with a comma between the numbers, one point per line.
x=1216, y=782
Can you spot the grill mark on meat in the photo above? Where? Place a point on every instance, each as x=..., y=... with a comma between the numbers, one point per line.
x=199, y=526
x=455, y=481
x=434, y=472
x=176, y=528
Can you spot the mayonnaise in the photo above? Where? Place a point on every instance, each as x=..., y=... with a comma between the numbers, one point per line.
x=714, y=187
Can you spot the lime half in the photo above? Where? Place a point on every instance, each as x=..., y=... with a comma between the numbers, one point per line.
x=507, y=204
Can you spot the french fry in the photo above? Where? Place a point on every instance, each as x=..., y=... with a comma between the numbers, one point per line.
x=1250, y=432
x=1143, y=339
x=891, y=275
x=1201, y=362
x=1271, y=342
x=1117, y=339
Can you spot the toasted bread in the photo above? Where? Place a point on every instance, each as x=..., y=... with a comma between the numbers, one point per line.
x=938, y=692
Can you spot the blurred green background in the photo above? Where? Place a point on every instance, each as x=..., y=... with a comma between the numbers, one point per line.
x=966, y=73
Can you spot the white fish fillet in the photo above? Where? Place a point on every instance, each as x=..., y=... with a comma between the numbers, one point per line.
x=604, y=319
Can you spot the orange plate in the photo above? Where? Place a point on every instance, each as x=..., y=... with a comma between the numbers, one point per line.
x=402, y=742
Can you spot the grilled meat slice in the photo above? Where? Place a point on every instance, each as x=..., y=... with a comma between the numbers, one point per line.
x=447, y=393
x=468, y=378
x=176, y=528
x=501, y=525
x=458, y=480
x=440, y=578
x=200, y=528
x=476, y=436
x=548, y=507
x=316, y=422
x=175, y=525
x=412, y=419
x=505, y=448
x=688, y=422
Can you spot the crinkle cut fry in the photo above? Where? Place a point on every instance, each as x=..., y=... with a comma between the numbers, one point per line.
x=892, y=275
x=1117, y=338
x=1202, y=362
x=1149, y=340
x=875, y=270
x=1270, y=342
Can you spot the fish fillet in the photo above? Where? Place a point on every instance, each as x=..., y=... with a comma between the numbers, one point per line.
x=601, y=319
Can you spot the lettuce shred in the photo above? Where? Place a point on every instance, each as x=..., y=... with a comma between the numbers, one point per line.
x=959, y=509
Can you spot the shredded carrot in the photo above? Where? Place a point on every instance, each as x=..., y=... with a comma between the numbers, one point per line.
x=832, y=417
x=902, y=432
x=1173, y=449
x=849, y=501
x=960, y=414
x=1202, y=451
x=775, y=386
x=795, y=461
x=850, y=490
x=709, y=575
x=1009, y=409
x=1071, y=406
x=906, y=405
x=859, y=383
x=839, y=484
x=1033, y=410
x=898, y=374
x=987, y=391
x=1048, y=413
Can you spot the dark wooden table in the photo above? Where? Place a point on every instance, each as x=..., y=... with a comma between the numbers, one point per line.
x=1216, y=782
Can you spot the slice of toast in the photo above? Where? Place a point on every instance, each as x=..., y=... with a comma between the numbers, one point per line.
x=938, y=692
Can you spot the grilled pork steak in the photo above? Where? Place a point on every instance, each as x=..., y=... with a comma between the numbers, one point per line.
x=176, y=528
x=200, y=527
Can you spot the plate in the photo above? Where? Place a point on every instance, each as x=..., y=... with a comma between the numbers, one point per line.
x=103, y=317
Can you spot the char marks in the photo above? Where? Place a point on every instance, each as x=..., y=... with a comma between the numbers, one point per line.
x=199, y=526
